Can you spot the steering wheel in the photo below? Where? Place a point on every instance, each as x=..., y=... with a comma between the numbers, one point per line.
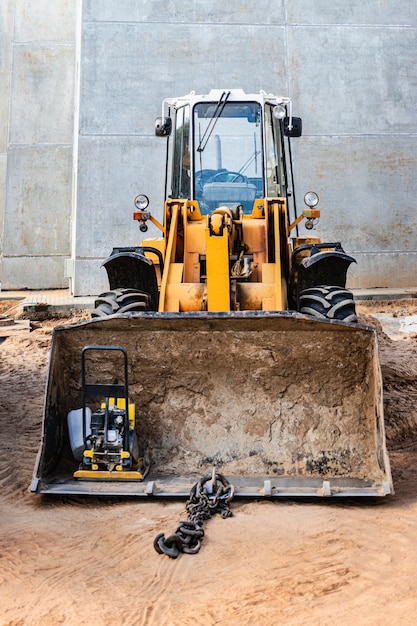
x=228, y=177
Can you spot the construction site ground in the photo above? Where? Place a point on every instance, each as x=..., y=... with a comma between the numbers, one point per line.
x=288, y=562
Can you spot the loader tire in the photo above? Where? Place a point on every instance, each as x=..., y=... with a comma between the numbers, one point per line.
x=128, y=301
x=324, y=302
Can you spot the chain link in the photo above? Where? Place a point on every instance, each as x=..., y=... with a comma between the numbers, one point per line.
x=209, y=496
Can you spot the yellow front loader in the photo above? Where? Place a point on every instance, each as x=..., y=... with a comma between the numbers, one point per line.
x=242, y=343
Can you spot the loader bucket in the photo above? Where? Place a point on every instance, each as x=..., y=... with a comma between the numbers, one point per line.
x=280, y=403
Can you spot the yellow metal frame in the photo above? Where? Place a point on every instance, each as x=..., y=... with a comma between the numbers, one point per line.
x=217, y=268
x=189, y=235
x=169, y=252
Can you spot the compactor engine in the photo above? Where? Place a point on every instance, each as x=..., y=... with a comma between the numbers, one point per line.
x=106, y=437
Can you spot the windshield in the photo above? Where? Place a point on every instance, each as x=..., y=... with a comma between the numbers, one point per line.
x=227, y=155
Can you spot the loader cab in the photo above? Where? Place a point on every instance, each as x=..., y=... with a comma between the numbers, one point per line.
x=226, y=152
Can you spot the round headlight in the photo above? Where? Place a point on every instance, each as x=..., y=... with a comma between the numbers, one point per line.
x=141, y=202
x=279, y=111
x=311, y=199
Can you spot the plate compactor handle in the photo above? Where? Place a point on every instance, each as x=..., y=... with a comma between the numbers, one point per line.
x=108, y=390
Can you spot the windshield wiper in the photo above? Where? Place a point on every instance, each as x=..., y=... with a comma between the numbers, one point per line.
x=217, y=113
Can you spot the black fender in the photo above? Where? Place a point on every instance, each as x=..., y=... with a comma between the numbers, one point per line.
x=327, y=265
x=129, y=268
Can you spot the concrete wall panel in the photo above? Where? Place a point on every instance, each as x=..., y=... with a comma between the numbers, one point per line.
x=90, y=277
x=378, y=270
x=122, y=90
x=177, y=11
x=3, y=172
x=6, y=32
x=36, y=219
x=45, y=20
x=44, y=77
x=372, y=12
x=354, y=80
x=112, y=171
x=367, y=188
x=34, y=272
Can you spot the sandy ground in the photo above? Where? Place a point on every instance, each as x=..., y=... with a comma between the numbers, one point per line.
x=76, y=562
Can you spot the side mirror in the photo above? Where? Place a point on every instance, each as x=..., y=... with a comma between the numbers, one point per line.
x=163, y=126
x=297, y=127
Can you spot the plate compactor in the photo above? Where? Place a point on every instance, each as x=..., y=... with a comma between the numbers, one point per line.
x=105, y=441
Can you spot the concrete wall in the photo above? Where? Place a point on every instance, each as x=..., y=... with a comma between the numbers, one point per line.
x=349, y=68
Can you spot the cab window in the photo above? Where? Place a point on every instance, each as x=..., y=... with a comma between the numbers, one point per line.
x=181, y=182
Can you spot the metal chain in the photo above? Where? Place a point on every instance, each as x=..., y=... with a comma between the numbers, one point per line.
x=209, y=495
